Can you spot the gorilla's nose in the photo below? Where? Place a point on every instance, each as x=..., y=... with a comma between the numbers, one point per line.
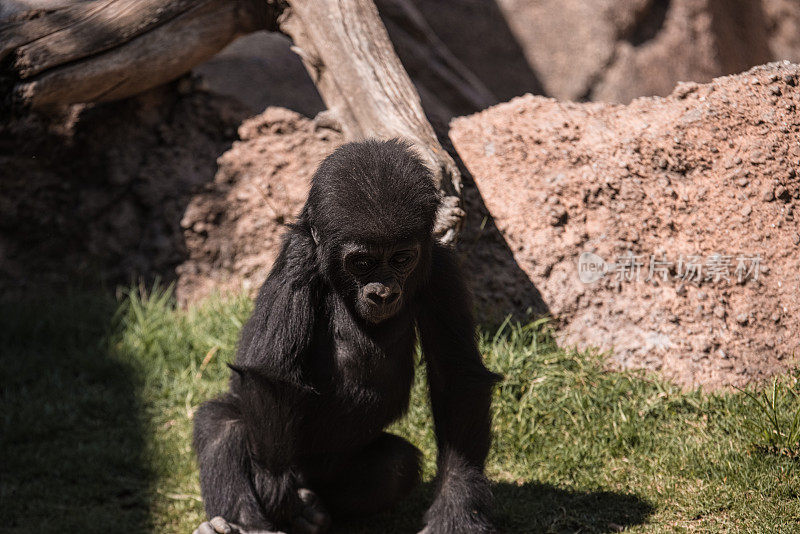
x=382, y=295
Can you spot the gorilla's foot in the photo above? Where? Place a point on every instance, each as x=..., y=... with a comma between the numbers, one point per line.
x=313, y=519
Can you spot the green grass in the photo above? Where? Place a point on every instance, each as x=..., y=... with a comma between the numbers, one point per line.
x=97, y=399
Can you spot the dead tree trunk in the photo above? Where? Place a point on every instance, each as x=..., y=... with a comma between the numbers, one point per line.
x=90, y=51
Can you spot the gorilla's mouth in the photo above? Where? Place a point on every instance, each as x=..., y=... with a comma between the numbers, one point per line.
x=375, y=312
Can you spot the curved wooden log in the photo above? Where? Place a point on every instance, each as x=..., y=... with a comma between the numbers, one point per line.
x=111, y=49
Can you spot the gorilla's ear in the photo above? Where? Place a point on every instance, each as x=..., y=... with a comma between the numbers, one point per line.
x=315, y=235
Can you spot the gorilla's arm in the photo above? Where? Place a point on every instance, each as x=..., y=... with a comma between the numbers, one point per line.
x=276, y=338
x=272, y=349
x=460, y=390
x=267, y=386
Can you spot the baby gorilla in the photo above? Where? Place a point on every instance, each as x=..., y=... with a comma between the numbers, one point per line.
x=326, y=362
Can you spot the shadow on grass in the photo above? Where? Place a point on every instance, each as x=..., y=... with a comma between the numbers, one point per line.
x=533, y=507
x=525, y=508
x=71, y=440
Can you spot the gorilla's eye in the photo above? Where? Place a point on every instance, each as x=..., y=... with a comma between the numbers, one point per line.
x=401, y=259
x=363, y=264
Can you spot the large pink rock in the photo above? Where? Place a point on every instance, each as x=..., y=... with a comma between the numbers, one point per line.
x=712, y=169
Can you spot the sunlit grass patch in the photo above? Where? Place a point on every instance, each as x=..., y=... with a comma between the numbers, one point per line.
x=775, y=418
x=98, y=398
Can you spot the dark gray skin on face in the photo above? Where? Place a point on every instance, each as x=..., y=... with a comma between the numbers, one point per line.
x=326, y=362
x=379, y=273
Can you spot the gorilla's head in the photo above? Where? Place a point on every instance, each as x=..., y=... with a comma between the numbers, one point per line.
x=371, y=210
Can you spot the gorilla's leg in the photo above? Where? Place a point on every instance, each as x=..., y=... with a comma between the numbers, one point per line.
x=375, y=479
x=220, y=443
x=234, y=488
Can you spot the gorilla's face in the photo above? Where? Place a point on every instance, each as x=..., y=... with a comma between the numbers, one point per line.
x=379, y=274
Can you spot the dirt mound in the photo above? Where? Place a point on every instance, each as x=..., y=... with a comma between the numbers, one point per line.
x=233, y=229
x=701, y=187
x=97, y=192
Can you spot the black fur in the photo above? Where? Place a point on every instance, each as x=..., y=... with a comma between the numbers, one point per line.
x=322, y=369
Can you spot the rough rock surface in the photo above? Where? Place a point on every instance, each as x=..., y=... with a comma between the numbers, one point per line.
x=603, y=50
x=710, y=170
x=612, y=50
x=261, y=70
